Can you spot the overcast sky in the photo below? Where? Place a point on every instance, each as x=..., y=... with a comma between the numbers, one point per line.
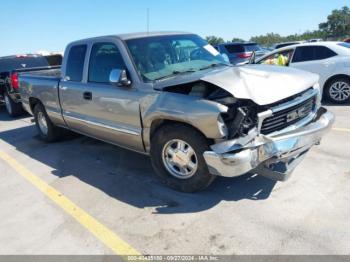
x=32, y=25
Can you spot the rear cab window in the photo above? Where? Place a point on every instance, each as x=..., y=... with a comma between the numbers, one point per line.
x=75, y=63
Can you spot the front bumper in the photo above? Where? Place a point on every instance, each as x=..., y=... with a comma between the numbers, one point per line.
x=274, y=157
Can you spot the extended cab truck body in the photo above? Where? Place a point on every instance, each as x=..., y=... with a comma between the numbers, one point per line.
x=172, y=96
x=10, y=66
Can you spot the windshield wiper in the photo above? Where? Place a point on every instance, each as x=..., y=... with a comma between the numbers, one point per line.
x=176, y=72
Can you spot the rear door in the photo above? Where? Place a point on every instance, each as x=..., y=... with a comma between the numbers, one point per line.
x=93, y=106
x=315, y=59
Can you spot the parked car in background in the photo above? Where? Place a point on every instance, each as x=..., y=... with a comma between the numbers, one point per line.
x=347, y=40
x=240, y=52
x=172, y=96
x=330, y=60
x=10, y=66
x=315, y=40
x=280, y=45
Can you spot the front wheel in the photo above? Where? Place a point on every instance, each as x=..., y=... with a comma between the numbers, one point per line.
x=47, y=130
x=338, y=90
x=177, y=157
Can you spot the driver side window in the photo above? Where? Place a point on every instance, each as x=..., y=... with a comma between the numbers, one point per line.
x=282, y=58
x=103, y=59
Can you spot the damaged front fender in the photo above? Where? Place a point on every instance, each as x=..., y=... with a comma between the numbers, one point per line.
x=202, y=114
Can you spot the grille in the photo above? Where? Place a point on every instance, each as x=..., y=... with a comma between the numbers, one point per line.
x=286, y=117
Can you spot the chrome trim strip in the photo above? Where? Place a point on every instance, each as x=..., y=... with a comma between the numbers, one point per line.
x=110, y=142
x=122, y=130
x=295, y=101
x=263, y=115
x=53, y=113
x=294, y=126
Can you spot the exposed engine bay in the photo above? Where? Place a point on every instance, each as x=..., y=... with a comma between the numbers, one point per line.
x=241, y=116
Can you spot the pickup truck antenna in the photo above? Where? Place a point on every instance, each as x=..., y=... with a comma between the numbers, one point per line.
x=147, y=20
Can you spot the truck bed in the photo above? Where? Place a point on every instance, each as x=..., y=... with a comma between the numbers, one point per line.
x=44, y=84
x=41, y=72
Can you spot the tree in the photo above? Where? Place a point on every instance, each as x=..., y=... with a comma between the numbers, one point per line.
x=236, y=39
x=268, y=39
x=338, y=23
x=336, y=27
x=214, y=40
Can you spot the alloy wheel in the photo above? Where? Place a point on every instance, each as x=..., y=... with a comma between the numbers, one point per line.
x=42, y=123
x=180, y=159
x=339, y=91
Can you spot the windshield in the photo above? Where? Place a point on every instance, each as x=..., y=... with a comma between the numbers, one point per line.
x=164, y=56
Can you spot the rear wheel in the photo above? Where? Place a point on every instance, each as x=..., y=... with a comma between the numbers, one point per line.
x=13, y=109
x=338, y=90
x=47, y=130
x=177, y=157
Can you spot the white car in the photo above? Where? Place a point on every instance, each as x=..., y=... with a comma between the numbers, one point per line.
x=330, y=60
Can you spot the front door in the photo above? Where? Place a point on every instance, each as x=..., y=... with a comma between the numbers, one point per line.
x=99, y=109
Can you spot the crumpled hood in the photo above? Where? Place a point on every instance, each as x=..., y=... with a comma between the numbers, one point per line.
x=264, y=84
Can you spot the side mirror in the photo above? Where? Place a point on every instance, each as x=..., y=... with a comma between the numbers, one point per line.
x=119, y=77
x=252, y=58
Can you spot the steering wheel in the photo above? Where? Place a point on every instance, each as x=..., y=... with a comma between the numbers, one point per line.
x=197, y=54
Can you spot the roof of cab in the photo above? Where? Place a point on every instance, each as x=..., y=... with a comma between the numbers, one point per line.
x=150, y=34
x=125, y=37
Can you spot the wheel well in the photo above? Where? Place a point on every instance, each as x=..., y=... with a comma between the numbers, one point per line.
x=156, y=124
x=33, y=102
x=335, y=77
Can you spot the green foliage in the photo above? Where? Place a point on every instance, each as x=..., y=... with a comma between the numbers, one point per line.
x=213, y=40
x=268, y=39
x=338, y=24
x=236, y=39
x=337, y=27
x=271, y=38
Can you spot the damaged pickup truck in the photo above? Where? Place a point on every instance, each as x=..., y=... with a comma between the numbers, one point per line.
x=172, y=96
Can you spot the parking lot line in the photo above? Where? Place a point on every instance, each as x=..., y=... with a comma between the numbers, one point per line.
x=105, y=235
x=341, y=129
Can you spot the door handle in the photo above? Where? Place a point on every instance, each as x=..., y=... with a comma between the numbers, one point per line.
x=87, y=95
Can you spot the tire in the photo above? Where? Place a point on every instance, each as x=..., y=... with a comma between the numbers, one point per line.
x=47, y=130
x=169, y=137
x=12, y=108
x=337, y=90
